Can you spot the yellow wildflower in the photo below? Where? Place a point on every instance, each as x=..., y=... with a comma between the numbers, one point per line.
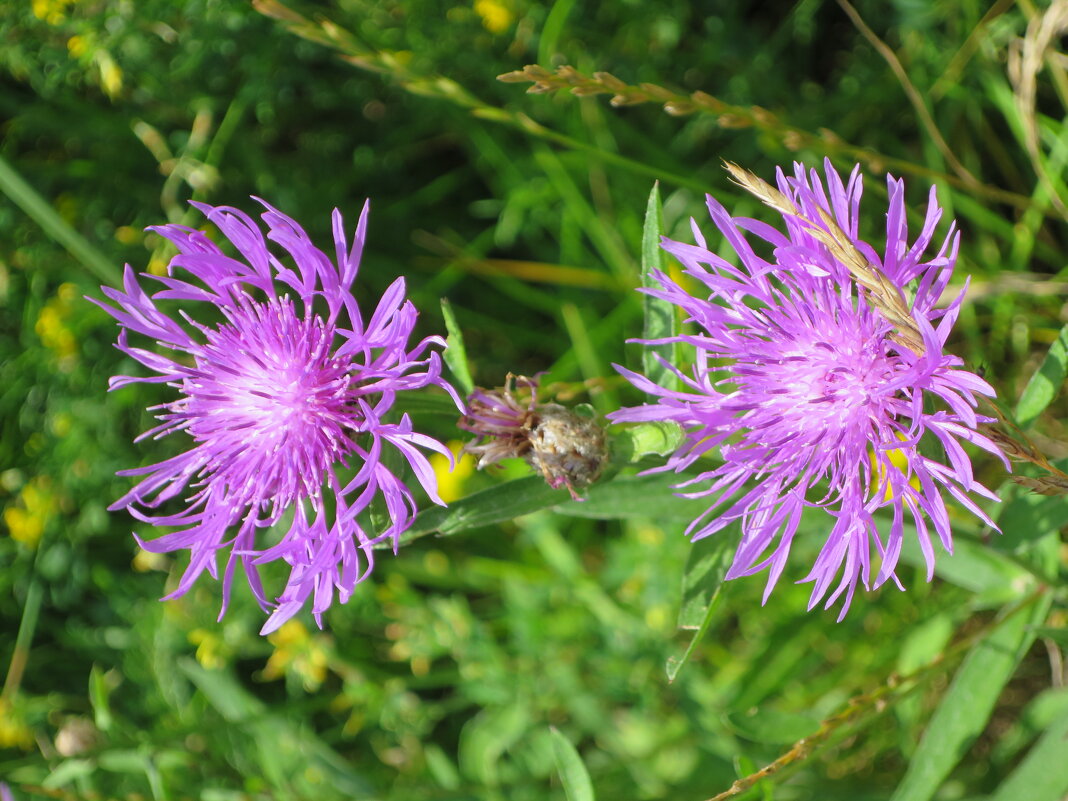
x=496, y=16
x=110, y=74
x=297, y=651
x=14, y=733
x=451, y=482
x=209, y=648
x=27, y=517
x=52, y=329
x=51, y=11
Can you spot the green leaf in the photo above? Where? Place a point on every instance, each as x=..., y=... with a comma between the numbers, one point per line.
x=702, y=585
x=68, y=771
x=485, y=508
x=965, y=708
x=626, y=497
x=1041, y=712
x=441, y=767
x=660, y=318
x=622, y=497
x=455, y=354
x=1043, y=773
x=972, y=565
x=706, y=567
x=1058, y=634
x=676, y=663
x=771, y=726
x=123, y=760
x=429, y=402
x=486, y=737
x=924, y=642
x=1027, y=518
x=573, y=774
x=223, y=692
x=1046, y=382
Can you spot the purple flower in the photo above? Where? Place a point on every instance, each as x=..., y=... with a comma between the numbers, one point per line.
x=810, y=395
x=281, y=386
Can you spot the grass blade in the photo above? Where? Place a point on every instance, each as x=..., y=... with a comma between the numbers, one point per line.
x=963, y=713
x=1043, y=773
x=38, y=209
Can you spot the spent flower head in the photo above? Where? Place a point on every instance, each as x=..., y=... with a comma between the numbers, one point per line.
x=285, y=394
x=811, y=393
x=567, y=449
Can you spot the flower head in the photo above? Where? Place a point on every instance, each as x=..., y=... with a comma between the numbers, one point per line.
x=567, y=449
x=812, y=397
x=284, y=392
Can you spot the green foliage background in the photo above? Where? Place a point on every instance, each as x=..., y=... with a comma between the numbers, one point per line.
x=529, y=659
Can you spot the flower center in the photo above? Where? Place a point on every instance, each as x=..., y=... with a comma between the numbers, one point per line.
x=825, y=388
x=270, y=403
x=820, y=385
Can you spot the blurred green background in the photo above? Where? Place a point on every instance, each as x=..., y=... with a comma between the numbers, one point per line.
x=443, y=677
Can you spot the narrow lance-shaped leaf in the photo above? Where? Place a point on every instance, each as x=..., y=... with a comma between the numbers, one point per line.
x=455, y=354
x=1046, y=382
x=702, y=586
x=1043, y=773
x=623, y=497
x=573, y=774
x=660, y=319
x=965, y=709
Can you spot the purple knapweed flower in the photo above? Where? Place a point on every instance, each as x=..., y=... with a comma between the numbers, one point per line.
x=282, y=386
x=806, y=390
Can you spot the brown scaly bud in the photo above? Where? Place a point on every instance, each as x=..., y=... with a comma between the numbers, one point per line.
x=568, y=450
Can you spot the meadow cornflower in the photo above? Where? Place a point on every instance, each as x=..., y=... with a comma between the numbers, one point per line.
x=817, y=378
x=284, y=392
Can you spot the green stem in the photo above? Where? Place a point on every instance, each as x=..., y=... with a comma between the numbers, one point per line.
x=41, y=212
x=27, y=626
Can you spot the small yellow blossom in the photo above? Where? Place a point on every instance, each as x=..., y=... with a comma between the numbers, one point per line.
x=496, y=16
x=659, y=618
x=899, y=460
x=77, y=46
x=144, y=561
x=14, y=733
x=51, y=11
x=209, y=648
x=52, y=329
x=157, y=265
x=110, y=74
x=128, y=235
x=27, y=517
x=451, y=482
x=297, y=651
x=420, y=666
